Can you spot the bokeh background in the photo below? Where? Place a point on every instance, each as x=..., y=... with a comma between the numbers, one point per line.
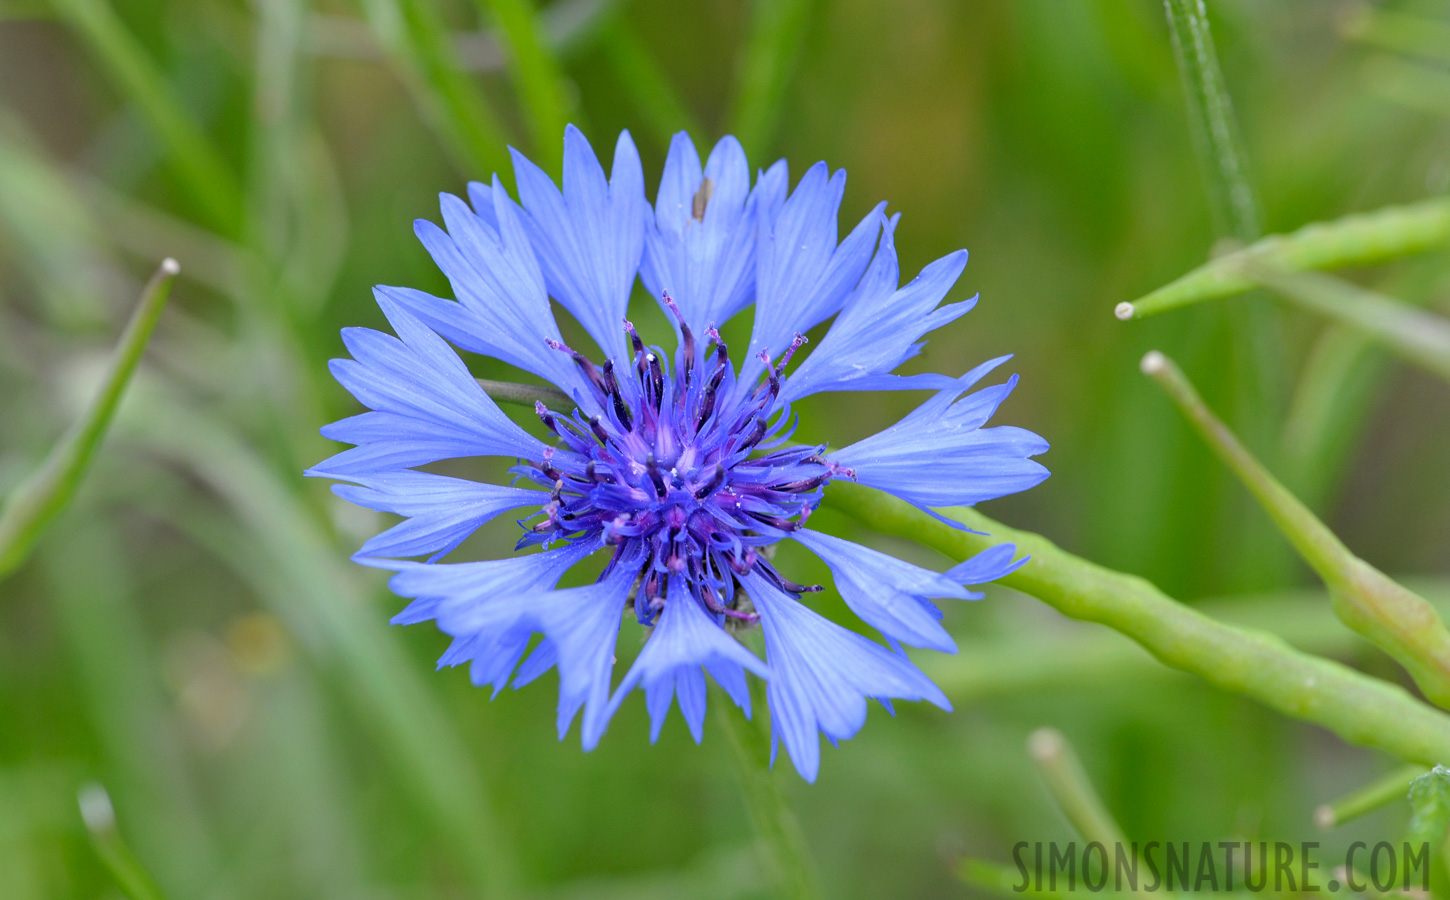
x=192, y=636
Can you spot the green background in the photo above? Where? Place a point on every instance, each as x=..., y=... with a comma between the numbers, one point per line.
x=192, y=636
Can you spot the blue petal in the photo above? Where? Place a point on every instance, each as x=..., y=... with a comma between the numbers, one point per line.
x=590, y=237
x=496, y=277
x=583, y=626
x=440, y=511
x=686, y=639
x=802, y=275
x=706, y=265
x=891, y=595
x=476, y=598
x=880, y=327
x=939, y=455
x=426, y=405
x=821, y=675
x=989, y=565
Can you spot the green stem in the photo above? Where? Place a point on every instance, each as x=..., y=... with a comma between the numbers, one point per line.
x=1367, y=600
x=1360, y=709
x=1354, y=240
x=780, y=832
x=112, y=850
x=1384, y=790
x=46, y=492
x=523, y=394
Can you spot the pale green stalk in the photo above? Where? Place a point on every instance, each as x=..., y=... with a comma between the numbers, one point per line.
x=777, y=31
x=1361, y=709
x=1386, y=789
x=1211, y=117
x=660, y=106
x=524, y=394
x=100, y=819
x=1073, y=793
x=421, y=48
x=1354, y=240
x=1400, y=621
x=1084, y=657
x=46, y=492
x=781, y=839
x=114, y=664
x=208, y=177
x=537, y=77
x=1420, y=337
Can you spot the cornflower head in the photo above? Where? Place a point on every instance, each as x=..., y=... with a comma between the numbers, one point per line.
x=676, y=467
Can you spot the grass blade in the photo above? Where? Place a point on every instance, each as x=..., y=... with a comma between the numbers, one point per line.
x=777, y=30
x=663, y=111
x=1361, y=709
x=537, y=77
x=1211, y=118
x=422, y=50
x=1394, y=617
x=1354, y=240
x=45, y=493
x=208, y=177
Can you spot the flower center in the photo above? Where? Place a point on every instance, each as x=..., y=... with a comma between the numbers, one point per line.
x=683, y=473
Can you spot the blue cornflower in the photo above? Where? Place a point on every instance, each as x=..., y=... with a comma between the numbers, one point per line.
x=676, y=466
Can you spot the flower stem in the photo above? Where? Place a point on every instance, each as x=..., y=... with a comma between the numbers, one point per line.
x=523, y=394
x=1355, y=240
x=113, y=851
x=780, y=833
x=1400, y=621
x=1388, y=788
x=1360, y=709
x=46, y=492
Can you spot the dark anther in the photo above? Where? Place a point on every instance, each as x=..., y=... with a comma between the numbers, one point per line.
x=800, y=487
x=776, y=522
x=792, y=587
x=582, y=362
x=656, y=478
x=707, y=403
x=756, y=434
x=621, y=409
x=702, y=199
x=657, y=378
x=717, y=478
x=596, y=425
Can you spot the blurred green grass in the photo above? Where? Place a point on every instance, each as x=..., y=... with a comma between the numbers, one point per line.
x=191, y=635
